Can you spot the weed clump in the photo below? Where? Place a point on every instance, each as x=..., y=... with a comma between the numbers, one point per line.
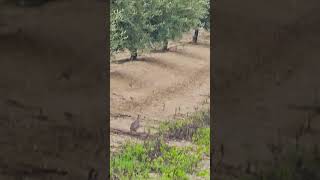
x=131, y=163
x=137, y=161
x=202, y=139
x=185, y=128
x=155, y=156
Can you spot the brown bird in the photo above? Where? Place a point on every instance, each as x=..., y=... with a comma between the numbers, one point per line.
x=135, y=125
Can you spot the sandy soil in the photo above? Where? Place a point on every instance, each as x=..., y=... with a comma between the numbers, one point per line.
x=159, y=85
x=262, y=68
x=59, y=37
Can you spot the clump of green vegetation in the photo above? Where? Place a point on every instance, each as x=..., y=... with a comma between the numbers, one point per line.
x=184, y=129
x=175, y=162
x=204, y=173
x=138, y=161
x=136, y=25
x=202, y=139
x=131, y=163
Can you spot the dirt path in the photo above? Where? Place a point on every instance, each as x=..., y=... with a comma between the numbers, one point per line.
x=160, y=85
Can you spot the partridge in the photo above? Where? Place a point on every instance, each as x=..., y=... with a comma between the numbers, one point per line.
x=135, y=125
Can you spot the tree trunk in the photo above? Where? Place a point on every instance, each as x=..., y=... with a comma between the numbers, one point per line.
x=134, y=55
x=165, y=45
x=195, y=36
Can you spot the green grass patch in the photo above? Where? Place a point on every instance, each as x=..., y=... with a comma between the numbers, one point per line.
x=202, y=138
x=204, y=173
x=176, y=162
x=183, y=129
x=131, y=163
x=138, y=161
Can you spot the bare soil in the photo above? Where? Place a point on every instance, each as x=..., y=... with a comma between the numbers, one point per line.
x=159, y=86
x=54, y=38
x=265, y=71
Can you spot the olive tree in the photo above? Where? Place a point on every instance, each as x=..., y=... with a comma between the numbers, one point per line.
x=129, y=27
x=204, y=8
x=172, y=18
x=135, y=25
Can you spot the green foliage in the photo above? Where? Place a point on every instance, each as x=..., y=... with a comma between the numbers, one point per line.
x=175, y=162
x=171, y=126
x=137, y=24
x=129, y=27
x=186, y=128
x=118, y=33
x=204, y=173
x=131, y=163
x=200, y=119
x=205, y=19
x=137, y=161
x=172, y=18
x=134, y=161
x=202, y=139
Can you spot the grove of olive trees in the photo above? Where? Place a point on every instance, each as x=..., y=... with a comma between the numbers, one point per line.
x=137, y=25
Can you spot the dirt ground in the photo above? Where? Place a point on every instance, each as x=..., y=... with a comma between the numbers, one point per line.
x=247, y=86
x=266, y=68
x=159, y=85
x=61, y=37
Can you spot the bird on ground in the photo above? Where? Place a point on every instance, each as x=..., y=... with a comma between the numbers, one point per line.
x=135, y=125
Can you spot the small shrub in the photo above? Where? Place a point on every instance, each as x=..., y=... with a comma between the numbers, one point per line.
x=137, y=161
x=204, y=173
x=202, y=139
x=176, y=162
x=131, y=163
x=184, y=129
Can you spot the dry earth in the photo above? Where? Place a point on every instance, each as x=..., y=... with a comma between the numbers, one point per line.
x=61, y=36
x=159, y=85
x=263, y=64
